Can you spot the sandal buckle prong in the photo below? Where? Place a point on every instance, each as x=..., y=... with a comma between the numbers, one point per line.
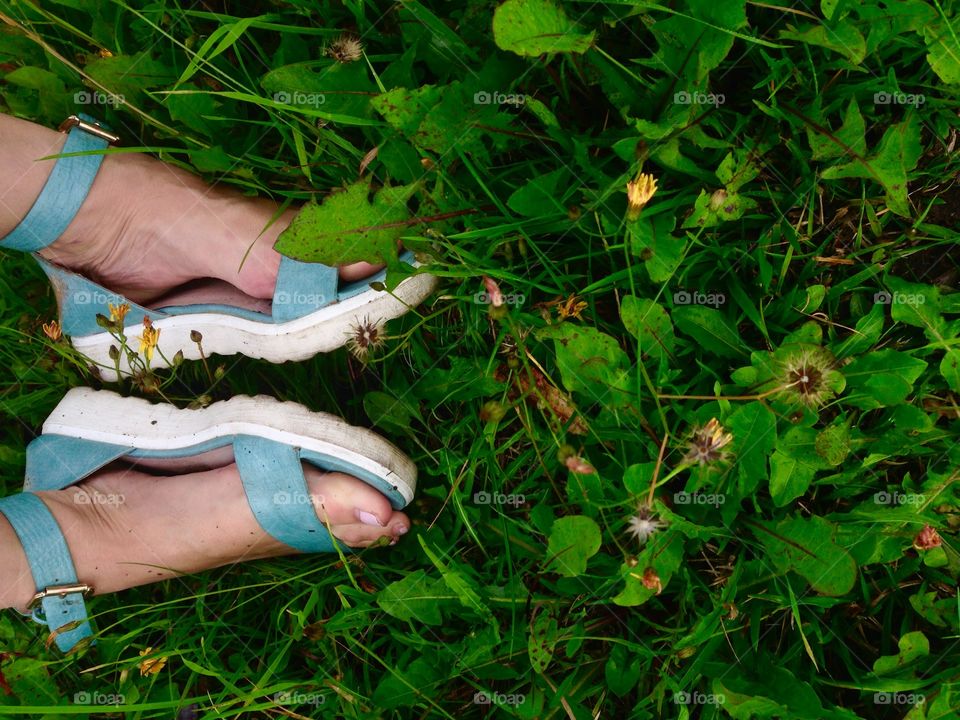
x=95, y=129
x=60, y=590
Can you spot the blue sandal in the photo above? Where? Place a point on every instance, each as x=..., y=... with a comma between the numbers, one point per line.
x=310, y=312
x=267, y=439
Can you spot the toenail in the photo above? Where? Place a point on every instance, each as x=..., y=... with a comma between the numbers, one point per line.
x=401, y=529
x=394, y=541
x=368, y=518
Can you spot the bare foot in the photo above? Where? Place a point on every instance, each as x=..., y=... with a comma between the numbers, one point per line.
x=148, y=227
x=125, y=528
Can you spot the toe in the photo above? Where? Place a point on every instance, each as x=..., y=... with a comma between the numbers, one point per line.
x=361, y=535
x=347, y=503
x=358, y=271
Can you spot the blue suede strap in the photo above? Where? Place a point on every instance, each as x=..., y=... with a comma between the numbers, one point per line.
x=58, y=461
x=61, y=197
x=303, y=288
x=51, y=565
x=277, y=491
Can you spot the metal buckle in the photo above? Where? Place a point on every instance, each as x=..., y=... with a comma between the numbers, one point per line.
x=74, y=121
x=59, y=590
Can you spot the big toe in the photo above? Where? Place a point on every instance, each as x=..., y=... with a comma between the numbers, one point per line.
x=357, y=513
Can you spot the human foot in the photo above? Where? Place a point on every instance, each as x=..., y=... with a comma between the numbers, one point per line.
x=126, y=528
x=148, y=227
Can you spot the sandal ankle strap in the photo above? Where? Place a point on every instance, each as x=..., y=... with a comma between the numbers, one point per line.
x=59, y=599
x=67, y=187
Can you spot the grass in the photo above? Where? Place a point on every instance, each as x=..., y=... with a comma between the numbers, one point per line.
x=804, y=226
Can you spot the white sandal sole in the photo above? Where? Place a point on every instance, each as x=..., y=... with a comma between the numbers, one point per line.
x=104, y=416
x=322, y=331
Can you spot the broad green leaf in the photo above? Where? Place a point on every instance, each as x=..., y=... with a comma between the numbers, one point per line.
x=809, y=333
x=129, y=75
x=440, y=32
x=866, y=334
x=663, y=553
x=833, y=444
x=416, y=597
x=806, y=547
x=52, y=95
x=776, y=694
x=801, y=443
x=348, y=227
x=29, y=682
x=789, y=478
x=711, y=209
x=915, y=304
x=710, y=329
x=586, y=491
x=844, y=39
x=668, y=154
x=754, y=428
x=950, y=369
x=815, y=297
x=405, y=109
x=462, y=586
x=390, y=412
x=943, y=48
x=896, y=155
x=737, y=169
x=193, y=109
x=331, y=87
x=873, y=547
x=467, y=379
x=573, y=540
x=215, y=159
x=541, y=196
x=932, y=608
x=691, y=44
x=651, y=240
x=637, y=477
x=913, y=646
x=649, y=323
x=848, y=140
x=442, y=119
x=543, y=638
x=592, y=362
x=405, y=688
x=535, y=27
x=881, y=378
x=36, y=79
x=623, y=670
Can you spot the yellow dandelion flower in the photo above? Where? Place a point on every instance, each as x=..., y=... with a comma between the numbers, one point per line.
x=151, y=666
x=118, y=313
x=571, y=308
x=149, y=339
x=53, y=330
x=639, y=192
x=708, y=443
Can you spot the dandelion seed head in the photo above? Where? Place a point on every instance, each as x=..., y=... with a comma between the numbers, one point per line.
x=364, y=338
x=644, y=524
x=805, y=375
x=345, y=49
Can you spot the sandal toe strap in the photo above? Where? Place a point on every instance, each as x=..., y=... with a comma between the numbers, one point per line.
x=303, y=288
x=277, y=491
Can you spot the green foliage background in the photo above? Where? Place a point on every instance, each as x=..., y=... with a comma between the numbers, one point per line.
x=807, y=168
